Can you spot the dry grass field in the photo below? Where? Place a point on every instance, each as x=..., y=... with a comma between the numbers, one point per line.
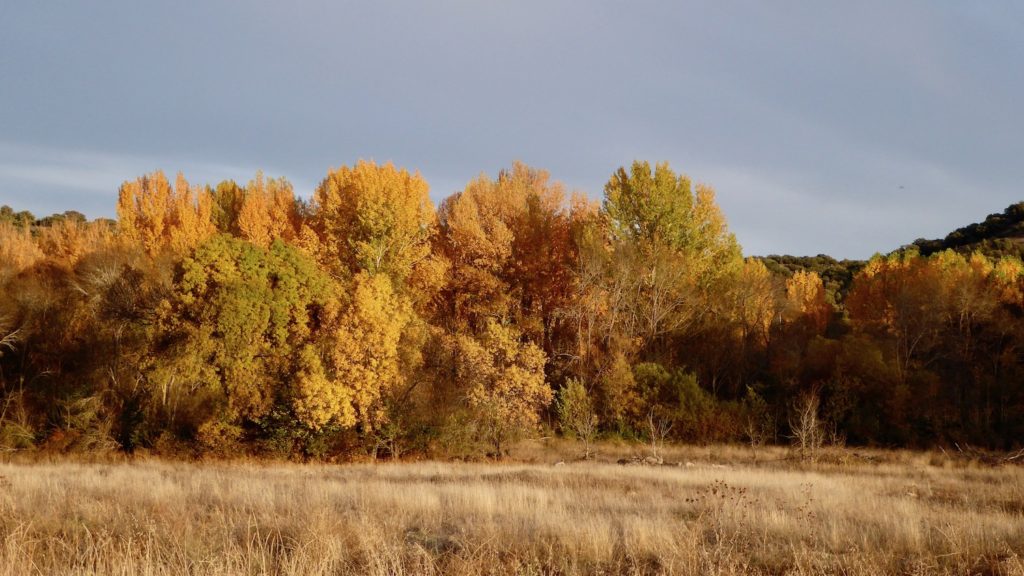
x=724, y=513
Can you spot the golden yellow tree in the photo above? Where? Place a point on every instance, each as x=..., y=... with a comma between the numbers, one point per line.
x=374, y=218
x=671, y=248
x=1008, y=278
x=18, y=250
x=373, y=228
x=806, y=301
x=754, y=301
x=268, y=211
x=365, y=355
x=158, y=217
x=505, y=383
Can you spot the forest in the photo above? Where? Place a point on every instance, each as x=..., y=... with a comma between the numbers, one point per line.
x=363, y=321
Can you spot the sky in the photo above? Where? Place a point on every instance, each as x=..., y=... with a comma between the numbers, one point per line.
x=825, y=127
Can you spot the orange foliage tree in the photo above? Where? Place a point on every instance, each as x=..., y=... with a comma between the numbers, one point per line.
x=158, y=217
x=268, y=211
x=511, y=256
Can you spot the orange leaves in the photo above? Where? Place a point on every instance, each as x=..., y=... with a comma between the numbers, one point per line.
x=510, y=248
x=18, y=250
x=268, y=211
x=159, y=217
x=924, y=303
x=805, y=299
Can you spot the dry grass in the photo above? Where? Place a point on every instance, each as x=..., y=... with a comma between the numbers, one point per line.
x=903, y=513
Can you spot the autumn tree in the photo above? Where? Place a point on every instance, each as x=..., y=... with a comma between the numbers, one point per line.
x=806, y=301
x=672, y=242
x=23, y=219
x=374, y=226
x=895, y=296
x=729, y=348
x=508, y=243
x=226, y=199
x=504, y=382
x=576, y=413
x=649, y=269
x=56, y=299
x=373, y=218
x=160, y=217
x=365, y=354
x=477, y=241
x=268, y=211
x=18, y=250
x=238, y=328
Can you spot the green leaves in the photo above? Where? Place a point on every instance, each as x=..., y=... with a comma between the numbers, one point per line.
x=247, y=309
x=646, y=206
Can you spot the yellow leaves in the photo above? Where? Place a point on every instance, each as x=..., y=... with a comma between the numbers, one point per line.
x=318, y=398
x=805, y=298
x=158, y=217
x=619, y=397
x=647, y=206
x=268, y=211
x=754, y=306
x=18, y=250
x=365, y=349
x=373, y=218
x=505, y=381
x=1008, y=275
x=670, y=252
x=714, y=245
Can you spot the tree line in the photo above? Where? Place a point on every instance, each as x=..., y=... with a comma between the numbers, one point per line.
x=366, y=321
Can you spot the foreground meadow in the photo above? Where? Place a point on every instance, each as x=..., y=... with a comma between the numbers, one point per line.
x=710, y=514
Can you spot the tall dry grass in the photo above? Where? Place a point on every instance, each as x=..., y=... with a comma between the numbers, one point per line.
x=902, y=516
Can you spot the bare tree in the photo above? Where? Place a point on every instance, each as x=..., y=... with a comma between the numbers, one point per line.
x=808, y=431
x=658, y=430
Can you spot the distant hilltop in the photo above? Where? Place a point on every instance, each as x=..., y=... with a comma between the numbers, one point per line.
x=999, y=235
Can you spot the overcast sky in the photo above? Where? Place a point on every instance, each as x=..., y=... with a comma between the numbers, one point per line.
x=826, y=127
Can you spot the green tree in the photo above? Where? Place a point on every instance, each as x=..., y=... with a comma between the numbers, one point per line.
x=671, y=248
x=239, y=326
x=576, y=413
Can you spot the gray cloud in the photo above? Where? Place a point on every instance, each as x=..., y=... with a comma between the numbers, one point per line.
x=807, y=117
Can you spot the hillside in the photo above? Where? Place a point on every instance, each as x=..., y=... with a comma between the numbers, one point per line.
x=999, y=235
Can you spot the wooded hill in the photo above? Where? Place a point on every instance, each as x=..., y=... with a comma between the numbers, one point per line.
x=999, y=235
x=245, y=319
